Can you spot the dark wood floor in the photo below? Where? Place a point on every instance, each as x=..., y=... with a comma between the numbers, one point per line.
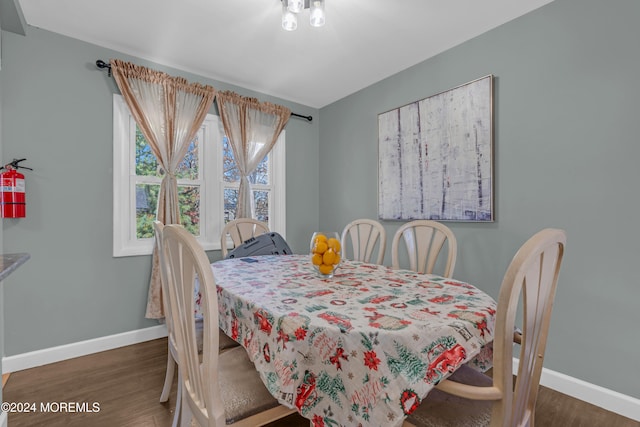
x=126, y=384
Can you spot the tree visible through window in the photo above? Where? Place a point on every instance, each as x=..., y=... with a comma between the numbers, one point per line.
x=148, y=188
x=259, y=180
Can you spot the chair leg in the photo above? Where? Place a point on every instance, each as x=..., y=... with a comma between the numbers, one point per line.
x=168, y=377
x=185, y=413
x=178, y=409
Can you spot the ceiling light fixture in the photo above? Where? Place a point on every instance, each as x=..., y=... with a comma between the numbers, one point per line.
x=291, y=9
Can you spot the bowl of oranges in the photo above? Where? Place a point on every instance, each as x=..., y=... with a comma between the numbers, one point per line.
x=325, y=252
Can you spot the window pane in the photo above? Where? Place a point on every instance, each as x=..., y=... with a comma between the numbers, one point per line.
x=146, y=206
x=188, y=168
x=231, y=172
x=261, y=174
x=230, y=204
x=261, y=199
x=147, y=164
x=189, y=200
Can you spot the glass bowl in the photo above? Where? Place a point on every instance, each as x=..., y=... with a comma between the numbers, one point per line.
x=325, y=252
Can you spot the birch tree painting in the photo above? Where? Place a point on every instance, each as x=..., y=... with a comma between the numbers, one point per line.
x=435, y=157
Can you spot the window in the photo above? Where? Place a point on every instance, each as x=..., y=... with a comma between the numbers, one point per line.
x=208, y=182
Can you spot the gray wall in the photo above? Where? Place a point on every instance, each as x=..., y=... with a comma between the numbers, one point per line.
x=57, y=112
x=566, y=153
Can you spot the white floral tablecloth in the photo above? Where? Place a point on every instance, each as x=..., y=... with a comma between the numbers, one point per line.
x=361, y=348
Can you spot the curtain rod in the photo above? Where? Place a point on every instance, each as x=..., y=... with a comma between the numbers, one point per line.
x=101, y=64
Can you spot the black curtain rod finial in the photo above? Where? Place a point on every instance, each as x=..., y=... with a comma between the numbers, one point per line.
x=303, y=117
x=101, y=64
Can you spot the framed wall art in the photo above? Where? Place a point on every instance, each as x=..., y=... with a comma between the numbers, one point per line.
x=435, y=156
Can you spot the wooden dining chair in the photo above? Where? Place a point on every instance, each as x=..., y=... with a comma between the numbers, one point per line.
x=218, y=388
x=424, y=240
x=470, y=398
x=172, y=352
x=225, y=342
x=239, y=230
x=366, y=235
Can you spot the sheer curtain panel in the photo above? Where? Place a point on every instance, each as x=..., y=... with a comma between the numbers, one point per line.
x=253, y=128
x=169, y=111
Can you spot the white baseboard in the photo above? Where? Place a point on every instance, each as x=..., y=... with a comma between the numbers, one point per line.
x=82, y=348
x=610, y=400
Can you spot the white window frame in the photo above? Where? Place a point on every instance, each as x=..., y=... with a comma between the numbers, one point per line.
x=125, y=242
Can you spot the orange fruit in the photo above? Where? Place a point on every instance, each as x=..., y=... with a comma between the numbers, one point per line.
x=334, y=244
x=328, y=257
x=336, y=259
x=320, y=247
x=320, y=238
x=316, y=259
x=325, y=269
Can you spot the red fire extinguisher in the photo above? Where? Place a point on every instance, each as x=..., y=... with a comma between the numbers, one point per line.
x=12, y=200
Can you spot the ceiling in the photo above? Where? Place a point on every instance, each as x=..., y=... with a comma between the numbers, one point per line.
x=242, y=43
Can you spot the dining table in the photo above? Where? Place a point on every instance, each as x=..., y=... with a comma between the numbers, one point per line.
x=361, y=348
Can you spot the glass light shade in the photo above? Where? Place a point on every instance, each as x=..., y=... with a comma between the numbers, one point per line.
x=289, y=20
x=316, y=18
x=296, y=6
